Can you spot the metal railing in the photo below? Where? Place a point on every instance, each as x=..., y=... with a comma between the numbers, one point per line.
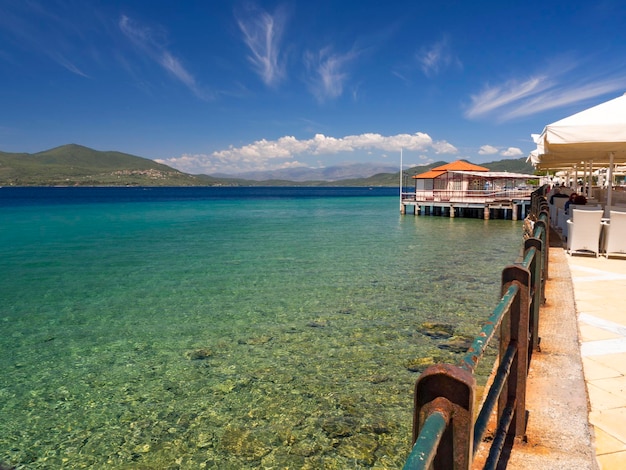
x=445, y=434
x=457, y=195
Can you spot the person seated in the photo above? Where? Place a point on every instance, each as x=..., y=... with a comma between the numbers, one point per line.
x=571, y=199
x=557, y=193
x=580, y=200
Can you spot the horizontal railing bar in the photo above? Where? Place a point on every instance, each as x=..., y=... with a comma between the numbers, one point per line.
x=480, y=426
x=528, y=258
x=538, y=230
x=477, y=349
x=500, y=437
x=427, y=443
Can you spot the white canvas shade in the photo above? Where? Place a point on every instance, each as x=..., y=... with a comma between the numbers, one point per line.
x=596, y=135
x=593, y=138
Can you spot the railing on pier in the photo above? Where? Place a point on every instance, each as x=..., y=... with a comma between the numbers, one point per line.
x=469, y=196
x=445, y=434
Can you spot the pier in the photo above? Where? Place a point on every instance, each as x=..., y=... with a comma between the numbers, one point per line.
x=462, y=189
x=512, y=205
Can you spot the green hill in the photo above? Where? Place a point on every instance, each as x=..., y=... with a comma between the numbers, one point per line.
x=72, y=164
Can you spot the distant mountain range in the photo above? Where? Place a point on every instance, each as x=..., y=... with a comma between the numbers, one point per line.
x=75, y=165
x=301, y=174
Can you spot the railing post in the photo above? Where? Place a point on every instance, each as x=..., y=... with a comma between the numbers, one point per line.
x=457, y=386
x=536, y=271
x=541, y=213
x=518, y=333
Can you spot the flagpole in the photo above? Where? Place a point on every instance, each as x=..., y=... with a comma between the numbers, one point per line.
x=401, y=175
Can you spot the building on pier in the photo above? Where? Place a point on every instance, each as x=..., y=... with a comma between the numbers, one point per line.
x=462, y=189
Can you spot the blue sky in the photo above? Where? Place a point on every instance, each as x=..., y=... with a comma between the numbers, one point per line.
x=233, y=86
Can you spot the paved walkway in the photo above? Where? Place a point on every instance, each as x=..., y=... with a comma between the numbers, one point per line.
x=600, y=298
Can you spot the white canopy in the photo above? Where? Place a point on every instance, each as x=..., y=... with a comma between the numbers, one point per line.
x=596, y=135
x=496, y=174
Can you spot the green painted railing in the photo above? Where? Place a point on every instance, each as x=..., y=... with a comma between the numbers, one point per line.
x=445, y=433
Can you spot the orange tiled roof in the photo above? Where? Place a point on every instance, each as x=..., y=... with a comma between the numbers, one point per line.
x=429, y=174
x=458, y=165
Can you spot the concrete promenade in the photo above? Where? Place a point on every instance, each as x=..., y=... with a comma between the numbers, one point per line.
x=600, y=295
x=577, y=384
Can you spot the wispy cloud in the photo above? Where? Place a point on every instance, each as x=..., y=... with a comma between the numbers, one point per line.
x=64, y=62
x=281, y=153
x=437, y=57
x=506, y=152
x=262, y=33
x=497, y=97
x=563, y=96
x=147, y=42
x=556, y=88
x=328, y=73
x=47, y=31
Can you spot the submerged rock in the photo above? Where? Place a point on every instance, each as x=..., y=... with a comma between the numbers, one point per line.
x=379, y=378
x=436, y=330
x=243, y=443
x=361, y=447
x=457, y=344
x=340, y=426
x=256, y=340
x=418, y=364
x=378, y=426
x=198, y=354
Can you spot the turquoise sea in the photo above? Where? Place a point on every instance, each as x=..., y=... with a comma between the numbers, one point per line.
x=227, y=328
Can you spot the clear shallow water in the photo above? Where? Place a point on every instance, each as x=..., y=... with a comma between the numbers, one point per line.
x=227, y=327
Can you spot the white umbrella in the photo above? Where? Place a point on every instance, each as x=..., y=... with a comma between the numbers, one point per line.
x=595, y=137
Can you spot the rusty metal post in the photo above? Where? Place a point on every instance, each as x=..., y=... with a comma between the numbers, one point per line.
x=537, y=289
x=543, y=218
x=519, y=327
x=457, y=386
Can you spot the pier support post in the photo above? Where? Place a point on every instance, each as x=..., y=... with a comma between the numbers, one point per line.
x=452, y=212
x=486, y=213
x=514, y=212
x=402, y=209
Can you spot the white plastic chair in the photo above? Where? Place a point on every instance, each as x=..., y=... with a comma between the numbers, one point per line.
x=584, y=231
x=617, y=208
x=615, y=234
x=563, y=217
x=559, y=202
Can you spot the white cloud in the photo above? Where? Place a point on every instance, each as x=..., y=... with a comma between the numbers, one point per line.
x=64, y=62
x=553, y=89
x=146, y=41
x=512, y=152
x=328, y=73
x=262, y=33
x=496, y=97
x=281, y=153
x=563, y=96
x=491, y=150
x=487, y=150
x=436, y=57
